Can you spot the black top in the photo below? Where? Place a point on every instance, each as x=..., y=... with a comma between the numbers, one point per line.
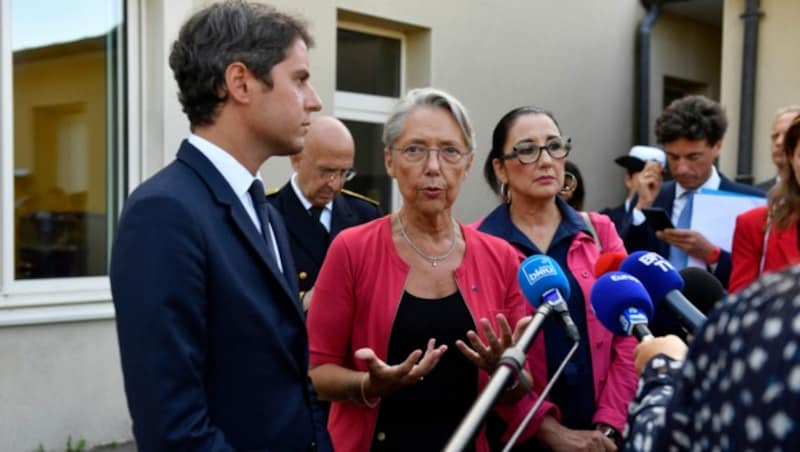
x=423, y=416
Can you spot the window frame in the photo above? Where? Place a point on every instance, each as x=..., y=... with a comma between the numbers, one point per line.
x=372, y=108
x=49, y=300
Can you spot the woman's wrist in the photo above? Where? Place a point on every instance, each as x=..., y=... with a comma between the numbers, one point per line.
x=365, y=399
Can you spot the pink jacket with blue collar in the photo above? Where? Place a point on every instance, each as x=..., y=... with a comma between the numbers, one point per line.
x=613, y=371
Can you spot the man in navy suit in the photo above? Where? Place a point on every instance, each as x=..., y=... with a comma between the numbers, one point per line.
x=635, y=161
x=314, y=203
x=211, y=333
x=691, y=130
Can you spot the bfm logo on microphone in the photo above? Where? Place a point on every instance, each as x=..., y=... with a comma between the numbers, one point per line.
x=541, y=271
x=655, y=259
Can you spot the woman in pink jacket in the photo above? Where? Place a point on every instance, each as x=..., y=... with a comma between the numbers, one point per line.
x=411, y=312
x=526, y=167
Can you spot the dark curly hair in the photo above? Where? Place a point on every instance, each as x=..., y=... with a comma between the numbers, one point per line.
x=254, y=34
x=693, y=118
x=499, y=137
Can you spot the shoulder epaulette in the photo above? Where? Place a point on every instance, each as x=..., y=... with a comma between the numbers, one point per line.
x=360, y=196
x=272, y=191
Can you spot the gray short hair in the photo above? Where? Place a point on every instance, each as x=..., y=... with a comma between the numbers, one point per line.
x=427, y=97
x=787, y=109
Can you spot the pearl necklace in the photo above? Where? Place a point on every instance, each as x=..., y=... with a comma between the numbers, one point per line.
x=434, y=260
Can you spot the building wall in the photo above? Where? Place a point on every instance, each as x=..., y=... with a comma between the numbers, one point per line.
x=683, y=49
x=58, y=380
x=777, y=83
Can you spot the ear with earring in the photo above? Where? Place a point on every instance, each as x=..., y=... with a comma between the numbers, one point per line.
x=505, y=193
x=570, y=183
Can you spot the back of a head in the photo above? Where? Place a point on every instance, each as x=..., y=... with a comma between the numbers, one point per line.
x=692, y=118
x=743, y=369
x=702, y=288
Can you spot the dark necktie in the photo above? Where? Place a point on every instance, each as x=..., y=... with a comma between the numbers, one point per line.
x=315, y=212
x=260, y=203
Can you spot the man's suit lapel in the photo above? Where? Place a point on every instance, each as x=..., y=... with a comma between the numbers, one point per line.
x=225, y=195
x=313, y=238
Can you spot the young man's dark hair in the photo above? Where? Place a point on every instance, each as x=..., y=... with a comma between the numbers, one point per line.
x=693, y=118
x=221, y=34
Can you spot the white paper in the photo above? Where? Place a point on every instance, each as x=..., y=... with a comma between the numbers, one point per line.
x=714, y=215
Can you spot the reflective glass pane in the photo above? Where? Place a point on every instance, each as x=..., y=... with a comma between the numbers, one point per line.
x=367, y=64
x=67, y=107
x=371, y=178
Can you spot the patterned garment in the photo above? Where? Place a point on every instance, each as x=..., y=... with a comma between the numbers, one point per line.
x=739, y=388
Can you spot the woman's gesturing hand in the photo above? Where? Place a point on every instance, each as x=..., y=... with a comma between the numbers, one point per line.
x=385, y=379
x=487, y=356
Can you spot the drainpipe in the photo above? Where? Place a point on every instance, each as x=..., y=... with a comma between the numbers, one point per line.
x=751, y=17
x=643, y=70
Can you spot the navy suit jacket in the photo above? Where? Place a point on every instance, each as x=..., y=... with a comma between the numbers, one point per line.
x=212, y=337
x=308, y=239
x=642, y=237
x=622, y=219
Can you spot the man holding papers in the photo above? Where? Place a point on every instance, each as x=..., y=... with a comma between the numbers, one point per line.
x=691, y=130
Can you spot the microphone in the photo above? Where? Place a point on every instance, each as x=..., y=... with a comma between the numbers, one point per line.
x=608, y=261
x=663, y=282
x=702, y=288
x=543, y=282
x=622, y=305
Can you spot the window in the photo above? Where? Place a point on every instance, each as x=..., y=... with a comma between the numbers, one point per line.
x=369, y=80
x=63, y=148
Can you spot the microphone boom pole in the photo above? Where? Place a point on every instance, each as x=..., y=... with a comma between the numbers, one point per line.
x=512, y=361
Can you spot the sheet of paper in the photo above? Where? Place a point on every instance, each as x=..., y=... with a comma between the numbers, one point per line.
x=714, y=215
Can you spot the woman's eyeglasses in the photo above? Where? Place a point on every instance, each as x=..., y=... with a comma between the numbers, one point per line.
x=416, y=153
x=528, y=152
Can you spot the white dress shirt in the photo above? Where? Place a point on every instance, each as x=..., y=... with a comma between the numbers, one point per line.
x=327, y=211
x=238, y=177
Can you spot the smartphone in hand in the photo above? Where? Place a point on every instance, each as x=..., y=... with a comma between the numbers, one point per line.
x=657, y=218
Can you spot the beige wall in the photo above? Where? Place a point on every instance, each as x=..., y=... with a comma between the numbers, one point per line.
x=777, y=81
x=684, y=49
x=58, y=380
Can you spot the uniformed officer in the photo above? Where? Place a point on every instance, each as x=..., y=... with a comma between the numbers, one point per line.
x=314, y=204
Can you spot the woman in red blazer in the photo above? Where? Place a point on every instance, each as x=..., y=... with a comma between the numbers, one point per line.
x=766, y=238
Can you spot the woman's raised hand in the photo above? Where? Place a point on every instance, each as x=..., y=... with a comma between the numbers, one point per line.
x=487, y=356
x=385, y=379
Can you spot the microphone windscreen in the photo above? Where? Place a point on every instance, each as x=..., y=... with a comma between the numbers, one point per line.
x=539, y=273
x=615, y=292
x=657, y=275
x=702, y=288
x=608, y=262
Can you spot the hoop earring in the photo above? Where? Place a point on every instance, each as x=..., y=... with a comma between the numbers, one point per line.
x=505, y=193
x=570, y=183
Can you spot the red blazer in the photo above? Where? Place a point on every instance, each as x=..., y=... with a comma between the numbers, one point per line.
x=748, y=246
